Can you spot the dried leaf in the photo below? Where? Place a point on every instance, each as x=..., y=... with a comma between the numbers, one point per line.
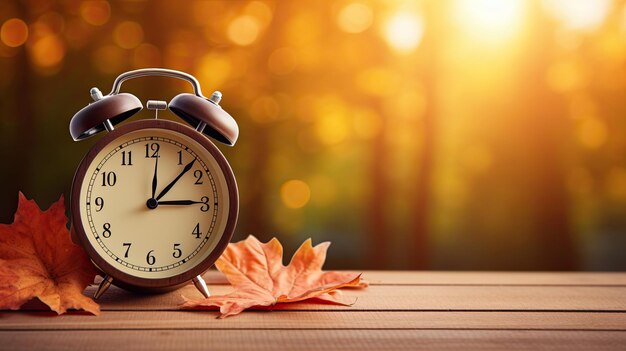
x=38, y=259
x=259, y=277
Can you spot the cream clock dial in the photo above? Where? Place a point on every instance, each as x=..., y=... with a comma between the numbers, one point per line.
x=153, y=203
x=157, y=204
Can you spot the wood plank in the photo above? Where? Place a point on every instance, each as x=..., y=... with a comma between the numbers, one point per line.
x=317, y=320
x=494, y=278
x=475, y=278
x=312, y=340
x=409, y=298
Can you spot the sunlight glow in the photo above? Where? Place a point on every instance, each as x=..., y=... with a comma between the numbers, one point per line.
x=584, y=15
x=623, y=22
x=489, y=20
x=403, y=31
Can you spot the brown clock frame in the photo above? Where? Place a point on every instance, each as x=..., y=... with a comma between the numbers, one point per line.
x=126, y=280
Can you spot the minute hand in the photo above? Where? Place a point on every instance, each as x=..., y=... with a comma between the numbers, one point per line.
x=170, y=185
x=180, y=202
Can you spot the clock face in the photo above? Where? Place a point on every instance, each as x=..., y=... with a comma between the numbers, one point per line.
x=154, y=203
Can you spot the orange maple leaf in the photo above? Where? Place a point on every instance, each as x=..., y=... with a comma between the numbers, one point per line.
x=257, y=272
x=38, y=259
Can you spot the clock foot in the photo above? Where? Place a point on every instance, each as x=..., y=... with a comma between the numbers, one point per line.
x=201, y=286
x=106, y=283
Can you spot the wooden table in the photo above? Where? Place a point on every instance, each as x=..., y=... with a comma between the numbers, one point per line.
x=400, y=310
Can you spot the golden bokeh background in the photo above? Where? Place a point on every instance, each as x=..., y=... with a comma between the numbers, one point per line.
x=457, y=134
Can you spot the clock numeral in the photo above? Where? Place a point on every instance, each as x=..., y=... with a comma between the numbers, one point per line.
x=180, y=157
x=177, y=252
x=205, y=204
x=196, y=231
x=109, y=178
x=198, y=174
x=152, y=150
x=107, y=230
x=100, y=203
x=127, y=249
x=127, y=158
x=150, y=258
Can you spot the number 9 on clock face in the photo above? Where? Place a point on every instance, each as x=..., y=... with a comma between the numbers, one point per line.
x=155, y=203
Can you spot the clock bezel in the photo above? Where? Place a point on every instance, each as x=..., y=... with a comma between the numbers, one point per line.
x=153, y=284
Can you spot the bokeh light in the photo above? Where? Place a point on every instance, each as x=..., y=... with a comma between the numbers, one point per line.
x=592, y=132
x=128, y=34
x=259, y=10
x=295, y=193
x=47, y=51
x=403, y=31
x=378, y=81
x=490, y=20
x=14, y=32
x=214, y=69
x=582, y=15
x=355, y=17
x=95, y=12
x=243, y=30
x=566, y=75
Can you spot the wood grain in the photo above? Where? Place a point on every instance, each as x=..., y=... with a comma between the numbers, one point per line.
x=416, y=298
x=272, y=340
x=318, y=320
x=493, y=278
x=400, y=311
x=475, y=278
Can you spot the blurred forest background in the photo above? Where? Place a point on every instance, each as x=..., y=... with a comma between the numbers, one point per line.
x=460, y=134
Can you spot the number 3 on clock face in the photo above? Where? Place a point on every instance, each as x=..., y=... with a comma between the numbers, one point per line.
x=155, y=203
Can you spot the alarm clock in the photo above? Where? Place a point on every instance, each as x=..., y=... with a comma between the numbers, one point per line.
x=154, y=202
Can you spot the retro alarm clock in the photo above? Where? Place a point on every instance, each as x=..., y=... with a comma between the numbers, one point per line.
x=154, y=203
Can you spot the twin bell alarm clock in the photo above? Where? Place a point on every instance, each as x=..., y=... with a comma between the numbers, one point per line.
x=154, y=202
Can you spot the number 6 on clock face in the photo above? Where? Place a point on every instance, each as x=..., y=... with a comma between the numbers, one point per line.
x=157, y=217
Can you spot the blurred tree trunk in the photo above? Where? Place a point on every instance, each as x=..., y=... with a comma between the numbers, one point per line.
x=378, y=235
x=546, y=125
x=20, y=154
x=422, y=198
x=257, y=219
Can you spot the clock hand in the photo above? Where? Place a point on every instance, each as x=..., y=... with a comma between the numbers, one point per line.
x=180, y=202
x=170, y=185
x=154, y=178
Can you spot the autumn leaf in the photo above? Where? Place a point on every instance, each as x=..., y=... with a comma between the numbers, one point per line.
x=38, y=259
x=259, y=277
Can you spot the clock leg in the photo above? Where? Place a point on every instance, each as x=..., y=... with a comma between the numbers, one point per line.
x=104, y=285
x=201, y=286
